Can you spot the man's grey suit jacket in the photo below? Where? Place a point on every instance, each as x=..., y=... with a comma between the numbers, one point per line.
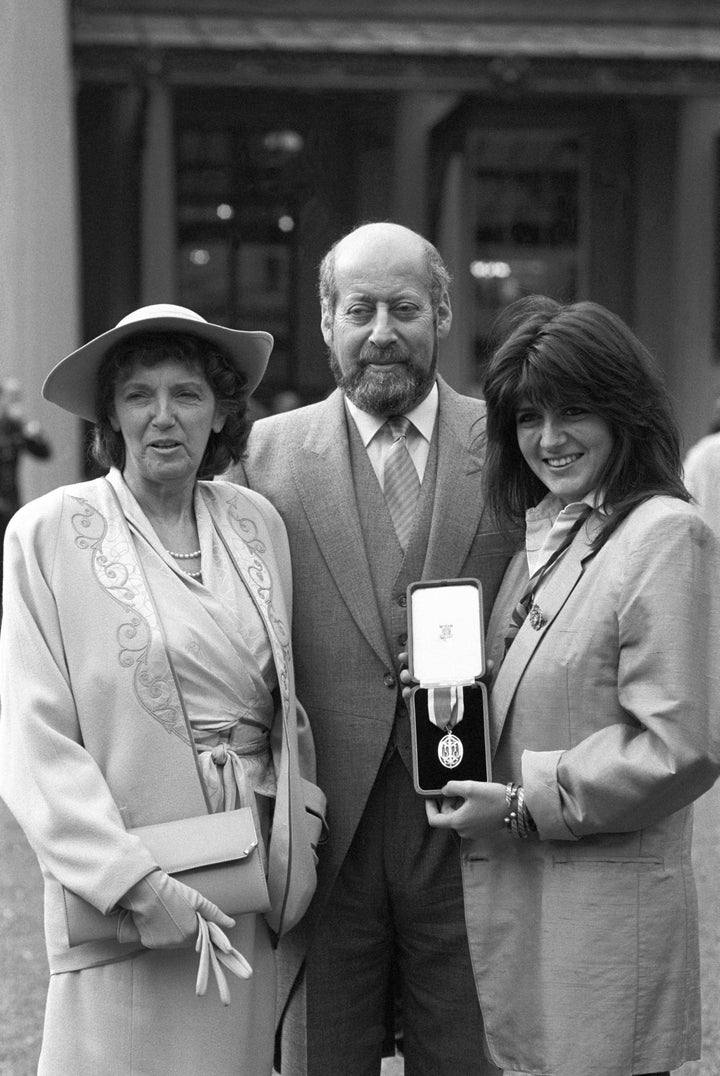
x=346, y=674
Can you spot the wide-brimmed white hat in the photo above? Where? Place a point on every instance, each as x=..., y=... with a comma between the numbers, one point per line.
x=72, y=384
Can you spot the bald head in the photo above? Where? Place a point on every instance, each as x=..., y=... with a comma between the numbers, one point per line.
x=385, y=309
x=383, y=239
x=383, y=246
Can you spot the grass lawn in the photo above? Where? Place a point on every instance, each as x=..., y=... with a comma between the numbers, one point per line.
x=23, y=963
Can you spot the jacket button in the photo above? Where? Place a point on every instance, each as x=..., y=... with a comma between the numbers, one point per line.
x=402, y=601
x=402, y=639
x=389, y=680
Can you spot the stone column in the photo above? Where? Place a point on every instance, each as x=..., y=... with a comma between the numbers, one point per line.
x=38, y=220
x=695, y=377
x=158, y=211
x=454, y=241
x=415, y=116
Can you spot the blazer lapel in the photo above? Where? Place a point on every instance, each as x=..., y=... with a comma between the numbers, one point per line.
x=323, y=476
x=555, y=592
x=458, y=493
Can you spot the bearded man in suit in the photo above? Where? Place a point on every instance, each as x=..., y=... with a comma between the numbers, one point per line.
x=389, y=893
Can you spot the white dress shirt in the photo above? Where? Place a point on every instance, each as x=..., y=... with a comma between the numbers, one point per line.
x=419, y=435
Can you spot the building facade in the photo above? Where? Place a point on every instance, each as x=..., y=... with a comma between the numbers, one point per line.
x=208, y=153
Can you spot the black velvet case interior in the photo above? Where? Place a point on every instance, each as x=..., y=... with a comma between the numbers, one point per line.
x=429, y=773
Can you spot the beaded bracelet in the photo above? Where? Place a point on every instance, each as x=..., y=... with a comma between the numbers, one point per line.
x=525, y=823
x=518, y=821
x=511, y=791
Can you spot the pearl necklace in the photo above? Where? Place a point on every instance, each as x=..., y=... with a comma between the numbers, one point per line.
x=187, y=556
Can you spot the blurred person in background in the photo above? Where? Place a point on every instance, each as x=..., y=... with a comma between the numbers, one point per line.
x=702, y=472
x=18, y=434
x=286, y=400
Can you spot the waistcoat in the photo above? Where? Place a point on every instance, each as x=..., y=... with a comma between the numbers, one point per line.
x=390, y=569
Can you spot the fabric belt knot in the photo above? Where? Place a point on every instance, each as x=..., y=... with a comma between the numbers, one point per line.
x=401, y=484
x=220, y=754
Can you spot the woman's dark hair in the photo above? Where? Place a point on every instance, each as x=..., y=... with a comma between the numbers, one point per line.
x=150, y=349
x=553, y=355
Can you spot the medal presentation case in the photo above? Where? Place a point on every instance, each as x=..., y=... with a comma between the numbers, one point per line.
x=449, y=721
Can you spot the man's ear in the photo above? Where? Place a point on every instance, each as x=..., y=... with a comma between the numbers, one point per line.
x=443, y=316
x=326, y=324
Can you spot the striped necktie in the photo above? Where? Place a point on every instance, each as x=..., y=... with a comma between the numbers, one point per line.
x=401, y=484
x=563, y=531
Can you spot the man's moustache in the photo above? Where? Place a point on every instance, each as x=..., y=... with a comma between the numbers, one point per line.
x=383, y=358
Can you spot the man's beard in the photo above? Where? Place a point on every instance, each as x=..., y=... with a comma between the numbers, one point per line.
x=382, y=390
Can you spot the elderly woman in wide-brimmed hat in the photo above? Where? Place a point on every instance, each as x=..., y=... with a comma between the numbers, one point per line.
x=147, y=678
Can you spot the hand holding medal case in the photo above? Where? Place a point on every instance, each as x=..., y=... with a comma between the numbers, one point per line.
x=448, y=706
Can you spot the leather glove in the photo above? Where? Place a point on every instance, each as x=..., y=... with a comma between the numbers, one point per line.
x=164, y=913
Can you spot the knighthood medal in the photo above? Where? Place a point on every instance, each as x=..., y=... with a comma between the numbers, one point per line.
x=446, y=707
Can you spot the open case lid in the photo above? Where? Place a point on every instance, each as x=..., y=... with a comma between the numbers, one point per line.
x=445, y=632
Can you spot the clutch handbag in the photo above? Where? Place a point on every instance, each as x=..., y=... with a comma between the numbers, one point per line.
x=217, y=854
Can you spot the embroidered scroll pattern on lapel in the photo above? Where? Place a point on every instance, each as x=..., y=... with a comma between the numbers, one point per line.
x=249, y=550
x=114, y=565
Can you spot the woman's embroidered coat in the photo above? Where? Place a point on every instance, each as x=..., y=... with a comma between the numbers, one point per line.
x=94, y=737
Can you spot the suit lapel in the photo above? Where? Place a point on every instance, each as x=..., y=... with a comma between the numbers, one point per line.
x=458, y=494
x=561, y=582
x=323, y=476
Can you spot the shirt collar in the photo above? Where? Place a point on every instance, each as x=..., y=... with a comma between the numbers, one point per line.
x=550, y=507
x=422, y=417
x=548, y=519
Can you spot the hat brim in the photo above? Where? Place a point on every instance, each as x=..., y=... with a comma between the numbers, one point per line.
x=72, y=384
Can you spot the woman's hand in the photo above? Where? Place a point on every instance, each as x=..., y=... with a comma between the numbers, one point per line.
x=471, y=808
x=164, y=913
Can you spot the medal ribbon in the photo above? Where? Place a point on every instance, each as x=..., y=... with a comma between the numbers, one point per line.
x=446, y=706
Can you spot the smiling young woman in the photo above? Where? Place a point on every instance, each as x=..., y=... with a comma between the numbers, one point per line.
x=579, y=889
x=568, y=448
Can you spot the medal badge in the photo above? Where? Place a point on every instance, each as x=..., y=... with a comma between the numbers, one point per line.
x=450, y=751
x=445, y=709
